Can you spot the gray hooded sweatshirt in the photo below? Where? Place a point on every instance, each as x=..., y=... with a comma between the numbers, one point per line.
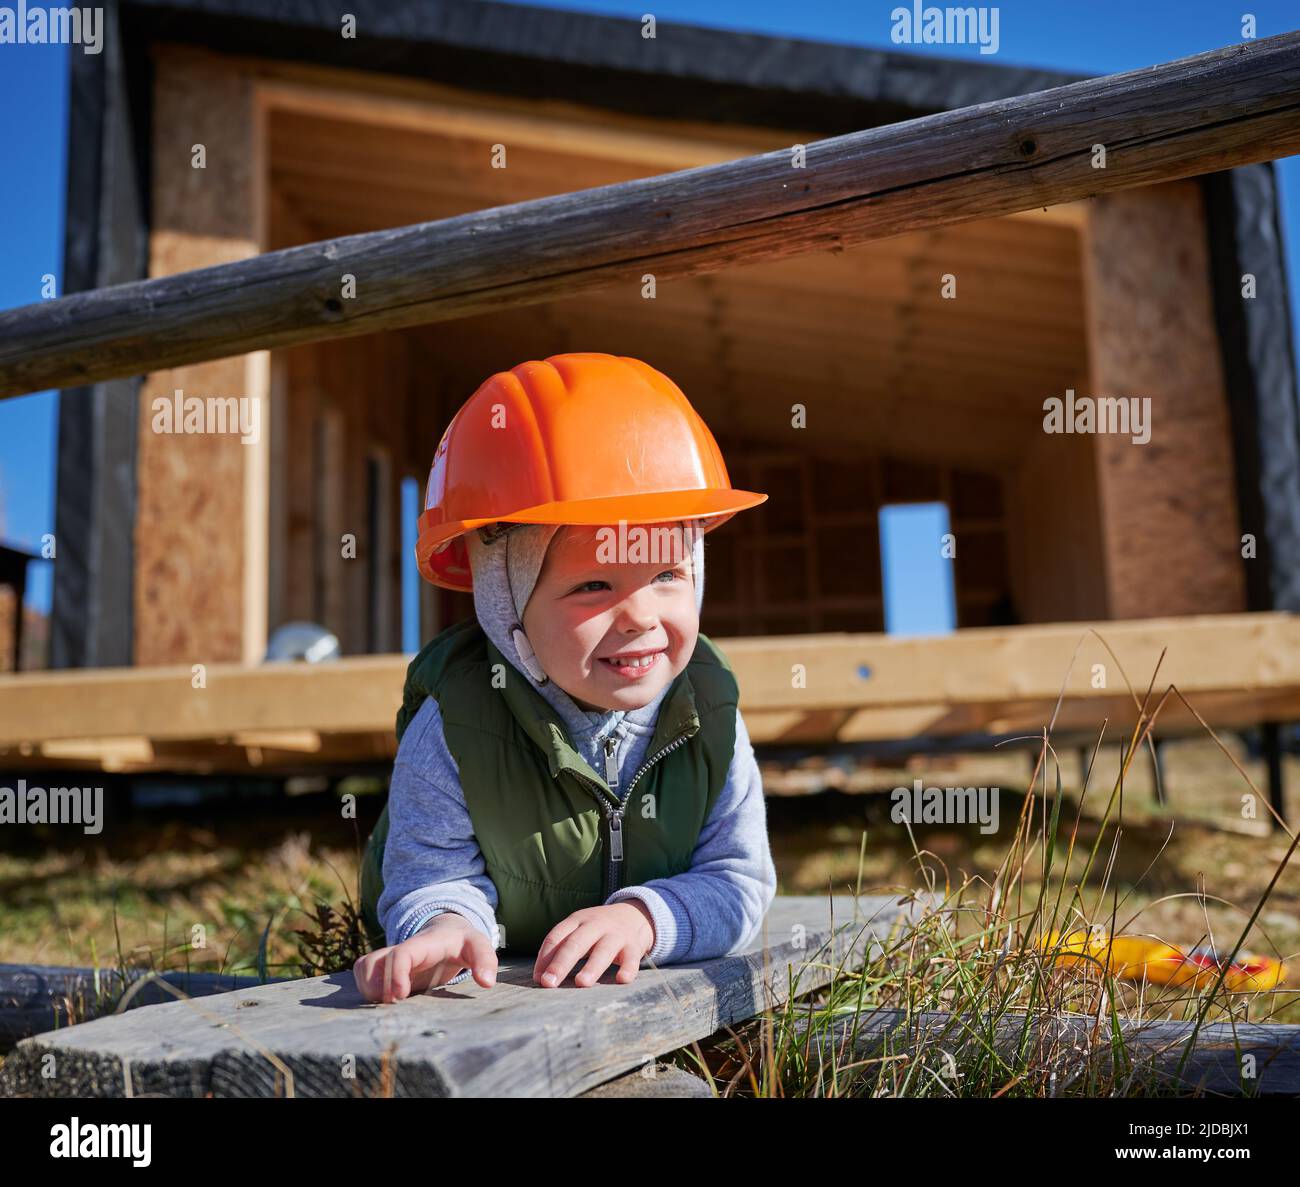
x=432, y=862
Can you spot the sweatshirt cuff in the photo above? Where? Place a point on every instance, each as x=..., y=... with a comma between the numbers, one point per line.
x=417, y=918
x=422, y=917
x=673, y=930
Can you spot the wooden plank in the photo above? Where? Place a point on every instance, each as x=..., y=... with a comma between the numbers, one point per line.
x=657, y=1080
x=280, y=447
x=1205, y=653
x=356, y=693
x=1216, y=110
x=38, y=998
x=303, y=741
x=257, y=519
x=1230, y=666
x=257, y=456
x=110, y=754
x=1068, y=1042
x=513, y=1040
x=547, y=129
x=330, y=478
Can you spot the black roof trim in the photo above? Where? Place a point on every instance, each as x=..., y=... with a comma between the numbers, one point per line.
x=1244, y=223
x=717, y=74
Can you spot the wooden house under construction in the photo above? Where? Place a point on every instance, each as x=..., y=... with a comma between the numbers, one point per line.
x=215, y=131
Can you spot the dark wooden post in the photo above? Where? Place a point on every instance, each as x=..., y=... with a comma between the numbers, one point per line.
x=1271, y=736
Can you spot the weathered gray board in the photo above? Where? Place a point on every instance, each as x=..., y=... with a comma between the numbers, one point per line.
x=654, y=1080
x=318, y=1038
x=37, y=998
x=1231, y=1059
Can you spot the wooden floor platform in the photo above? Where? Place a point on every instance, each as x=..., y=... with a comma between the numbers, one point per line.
x=1236, y=670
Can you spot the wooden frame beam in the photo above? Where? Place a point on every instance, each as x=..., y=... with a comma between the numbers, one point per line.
x=1212, y=111
x=1236, y=669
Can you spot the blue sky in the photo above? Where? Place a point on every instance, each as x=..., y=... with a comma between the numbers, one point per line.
x=33, y=151
x=1097, y=37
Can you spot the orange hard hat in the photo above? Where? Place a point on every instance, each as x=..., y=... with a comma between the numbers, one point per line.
x=574, y=439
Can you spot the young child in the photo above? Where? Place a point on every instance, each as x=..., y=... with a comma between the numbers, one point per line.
x=574, y=778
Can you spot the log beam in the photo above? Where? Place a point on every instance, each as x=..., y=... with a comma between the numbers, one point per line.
x=1213, y=111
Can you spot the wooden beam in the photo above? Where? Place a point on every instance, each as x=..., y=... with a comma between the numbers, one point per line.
x=353, y=694
x=1078, y=1051
x=110, y=754
x=303, y=741
x=1213, y=111
x=851, y=687
x=1205, y=653
x=507, y=1041
x=37, y=998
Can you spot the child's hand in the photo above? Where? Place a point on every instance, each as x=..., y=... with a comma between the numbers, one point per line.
x=432, y=956
x=621, y=931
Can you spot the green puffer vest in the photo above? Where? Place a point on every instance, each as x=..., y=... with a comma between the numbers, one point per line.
x=541, y=814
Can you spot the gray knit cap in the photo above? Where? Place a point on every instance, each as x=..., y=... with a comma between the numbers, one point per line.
x=506, y=560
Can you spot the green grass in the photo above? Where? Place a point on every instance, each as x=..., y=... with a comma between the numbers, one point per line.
x=974, y=958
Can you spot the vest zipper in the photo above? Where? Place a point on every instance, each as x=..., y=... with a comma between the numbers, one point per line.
x=613, y=866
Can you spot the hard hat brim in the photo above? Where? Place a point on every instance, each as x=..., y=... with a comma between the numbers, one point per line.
x=443, y=560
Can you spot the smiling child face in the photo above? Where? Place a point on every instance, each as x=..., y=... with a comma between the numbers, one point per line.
x=585, y=610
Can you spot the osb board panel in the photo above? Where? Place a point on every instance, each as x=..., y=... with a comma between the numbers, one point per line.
x=1169, y=511
x=189, y=536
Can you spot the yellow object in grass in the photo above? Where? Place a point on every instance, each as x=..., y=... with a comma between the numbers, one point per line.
x=1135, y=958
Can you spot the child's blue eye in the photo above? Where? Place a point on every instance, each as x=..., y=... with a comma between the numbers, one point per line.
x=671, y=573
